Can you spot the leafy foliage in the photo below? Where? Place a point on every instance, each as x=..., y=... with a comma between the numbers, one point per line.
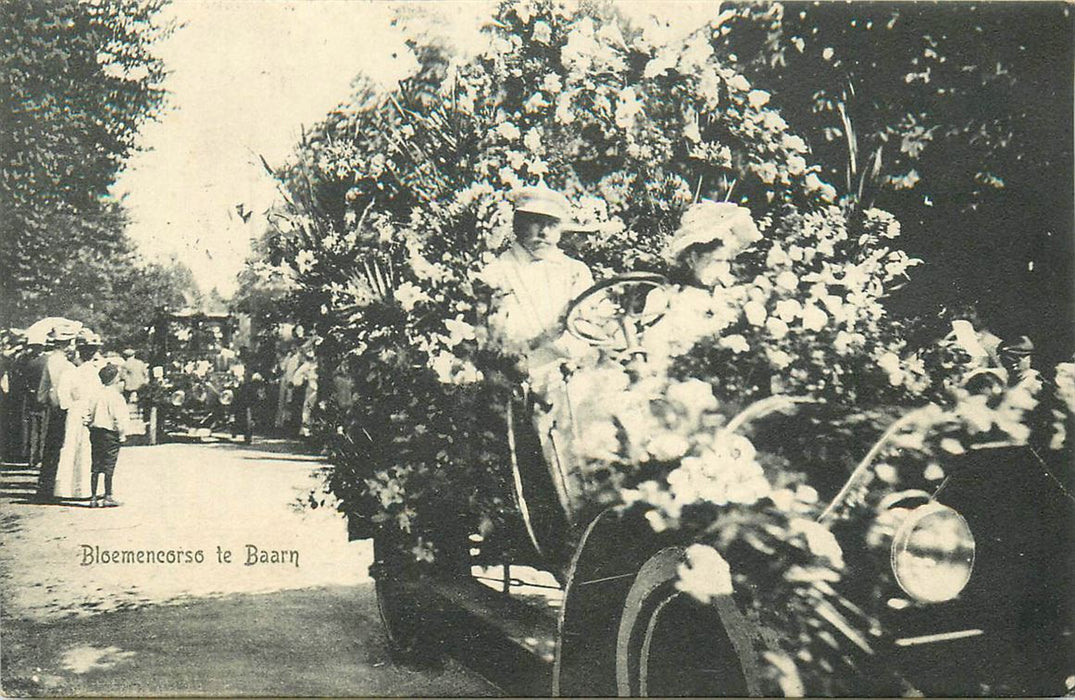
x=953, y=116
x=80, y=79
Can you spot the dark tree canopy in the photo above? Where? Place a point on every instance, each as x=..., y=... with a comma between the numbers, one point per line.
x=955, y=116
x=79, y=79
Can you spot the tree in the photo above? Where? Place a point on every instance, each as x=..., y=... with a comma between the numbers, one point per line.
x=955, y=118
x=142, y=291
x=79, y=79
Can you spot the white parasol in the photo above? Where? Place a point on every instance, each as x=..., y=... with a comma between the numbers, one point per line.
x=38, y=332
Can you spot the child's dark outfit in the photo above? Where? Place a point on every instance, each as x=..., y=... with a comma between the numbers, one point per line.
x=108, y=428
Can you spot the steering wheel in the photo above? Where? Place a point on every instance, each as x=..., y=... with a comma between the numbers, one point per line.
x=613, y=312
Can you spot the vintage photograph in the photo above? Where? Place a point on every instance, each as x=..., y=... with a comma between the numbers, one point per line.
x=537, y=348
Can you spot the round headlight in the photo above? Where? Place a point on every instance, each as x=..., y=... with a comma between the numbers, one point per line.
x=226, y=397
x=177, y=398
x=933, y=553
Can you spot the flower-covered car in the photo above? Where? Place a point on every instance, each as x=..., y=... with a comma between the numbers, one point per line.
x=925, y=572
x=197, y=380
x=739, y=450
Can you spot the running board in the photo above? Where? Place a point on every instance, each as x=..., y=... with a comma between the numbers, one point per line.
x=482, y=619
x=526, y=626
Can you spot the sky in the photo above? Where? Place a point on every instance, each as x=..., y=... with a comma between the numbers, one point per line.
x=244, y=77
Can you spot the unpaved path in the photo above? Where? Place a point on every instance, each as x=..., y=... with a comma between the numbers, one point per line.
x=304, y=622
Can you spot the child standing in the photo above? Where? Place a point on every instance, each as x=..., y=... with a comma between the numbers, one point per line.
x=108, y=428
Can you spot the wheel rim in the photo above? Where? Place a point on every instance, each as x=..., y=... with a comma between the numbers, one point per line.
x=669, y=644
x=683, y=652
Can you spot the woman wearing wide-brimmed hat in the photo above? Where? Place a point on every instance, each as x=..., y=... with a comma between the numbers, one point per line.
x=710, y=236
x=79, y=387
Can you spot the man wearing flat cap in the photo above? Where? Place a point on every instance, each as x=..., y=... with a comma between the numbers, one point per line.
x=535, y=280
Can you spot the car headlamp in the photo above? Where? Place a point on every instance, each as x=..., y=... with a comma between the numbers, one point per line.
x=177, y=398
x=933, y=553
x=226, y=397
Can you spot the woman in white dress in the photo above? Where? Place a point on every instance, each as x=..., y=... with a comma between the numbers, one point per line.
x=77, y=390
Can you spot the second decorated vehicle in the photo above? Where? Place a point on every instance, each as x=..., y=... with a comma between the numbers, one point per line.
x=197, y=380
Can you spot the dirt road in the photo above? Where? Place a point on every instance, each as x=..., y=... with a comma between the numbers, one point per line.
x=208, y=579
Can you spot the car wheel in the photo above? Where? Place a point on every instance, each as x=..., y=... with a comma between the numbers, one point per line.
x=670, y=644
x=410, y=630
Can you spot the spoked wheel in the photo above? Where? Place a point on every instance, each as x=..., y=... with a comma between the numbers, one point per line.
x=412, y=637
x=670, y=645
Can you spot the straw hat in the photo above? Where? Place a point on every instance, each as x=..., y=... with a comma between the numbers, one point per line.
x=544, y=201
x=708, y=222
x=62, y=333
x=88, y=337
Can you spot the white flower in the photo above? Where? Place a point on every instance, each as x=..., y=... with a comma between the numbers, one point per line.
x=793, y=142
x=408, y=295
x=532, y=140
x=796, y=165
x=304, y=261
x=599, y=441
x=668, y=446
x=509, y=177
x=773, y=121
x=890, y=363
x=933, y=472
x=738, y=82
x=709, y=87
x=564, y=115
x=952, y=446
x=664, y=60
x=776, y=327
x=787, y=280
x=1065, y=384
x=766, y=172
x=508, y=131
x=537, y=167
x=788, y=309
x=776, y=256
x=778, y=358
x=844, y=341
x=757, y=98
x=814, y=319
x=542, y=33
x=458, y=331
x=466, y=373
x=826, y=191
x=551, y=83
x=535, y=102
x=736, y=343
x=442, y=365
x=691, y=132
x=627, y=107
x=694, y=395
x=515, y=159
x=705, y=575
x=755, y=313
